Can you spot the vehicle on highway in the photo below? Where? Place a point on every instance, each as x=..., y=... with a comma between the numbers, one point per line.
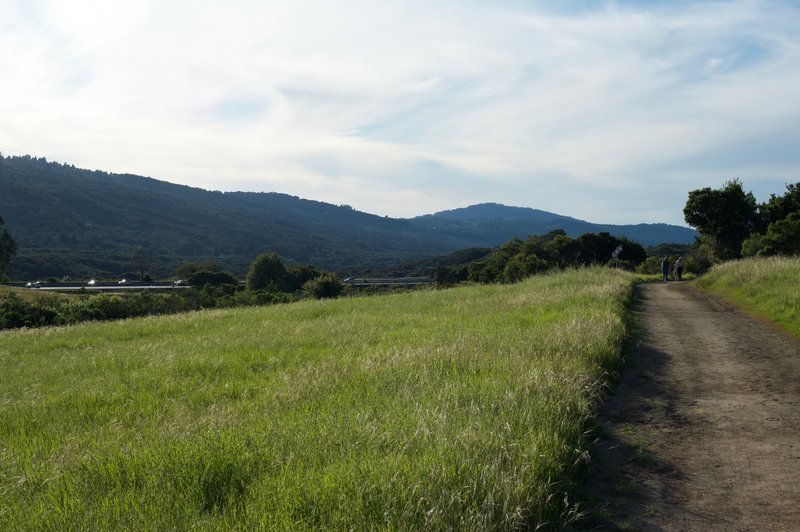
x=181, y=282
x=123, y=281
x=35, y=284
x=91, y=282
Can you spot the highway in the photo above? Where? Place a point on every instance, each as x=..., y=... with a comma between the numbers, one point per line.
x=388, y=282
x=167, y=285
x=99, y=287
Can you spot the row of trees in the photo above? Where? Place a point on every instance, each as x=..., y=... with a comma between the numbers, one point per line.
x=267, y=274
x=517, y=259
x=733, y=224
x=268, y=282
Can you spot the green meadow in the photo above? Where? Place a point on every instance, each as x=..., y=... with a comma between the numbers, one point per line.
x=464, y=408
x=768, y=287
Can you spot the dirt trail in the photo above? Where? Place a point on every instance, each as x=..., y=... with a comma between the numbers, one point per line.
x=703, y=431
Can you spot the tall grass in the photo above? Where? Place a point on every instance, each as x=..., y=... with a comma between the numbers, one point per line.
x=769, y=287
x=464, y=408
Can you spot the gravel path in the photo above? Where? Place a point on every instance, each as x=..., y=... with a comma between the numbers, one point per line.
x=703, y=430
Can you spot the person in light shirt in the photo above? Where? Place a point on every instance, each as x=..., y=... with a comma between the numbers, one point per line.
x=679, y=268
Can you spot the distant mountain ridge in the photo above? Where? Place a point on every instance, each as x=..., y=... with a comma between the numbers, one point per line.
x=497, y=211
x=490, y=221
x=82, y=222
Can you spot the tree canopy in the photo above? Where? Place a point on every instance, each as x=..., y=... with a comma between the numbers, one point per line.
x=725, y=217
x=782, y=238
x=780, y=207
x=732, y=224
x=517, y=259
x=267, y=272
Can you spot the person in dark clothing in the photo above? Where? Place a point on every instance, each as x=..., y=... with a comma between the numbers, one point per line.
x=665, y=270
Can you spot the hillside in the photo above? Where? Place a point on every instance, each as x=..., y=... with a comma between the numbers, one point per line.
x=70, y=221
x=488, y=223
x=66, y=219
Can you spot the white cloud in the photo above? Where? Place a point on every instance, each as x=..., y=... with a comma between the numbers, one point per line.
x=406, y=108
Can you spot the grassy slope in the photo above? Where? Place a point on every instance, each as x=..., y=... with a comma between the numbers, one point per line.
x=769, y=287
x=30, y=294
x=462, y=408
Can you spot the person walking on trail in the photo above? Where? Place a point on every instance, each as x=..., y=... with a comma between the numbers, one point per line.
x=679, y=268
x=665, y=270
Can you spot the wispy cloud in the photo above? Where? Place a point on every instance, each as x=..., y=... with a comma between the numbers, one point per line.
x=405, y=108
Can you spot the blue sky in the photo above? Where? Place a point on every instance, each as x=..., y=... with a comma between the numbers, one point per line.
x=605, y=111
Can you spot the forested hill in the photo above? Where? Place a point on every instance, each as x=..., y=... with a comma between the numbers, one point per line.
x=81, y=222
x=59, y=213
x=492, y=223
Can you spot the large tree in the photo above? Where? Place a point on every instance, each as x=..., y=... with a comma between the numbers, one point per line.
x=725, y=217
x=267, y=272
x=8, y=248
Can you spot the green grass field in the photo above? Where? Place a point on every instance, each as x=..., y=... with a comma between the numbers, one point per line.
x=463, y=408
x=768, y=287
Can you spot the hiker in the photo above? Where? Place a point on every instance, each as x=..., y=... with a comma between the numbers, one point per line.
x=679, y=268
x=665, y=270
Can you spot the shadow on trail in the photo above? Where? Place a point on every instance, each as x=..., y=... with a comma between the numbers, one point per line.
x=621, y=455
x=701, y=430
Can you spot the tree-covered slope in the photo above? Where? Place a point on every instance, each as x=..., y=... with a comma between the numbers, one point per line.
x=488, y=224
x=70, y=221
x=91, y=217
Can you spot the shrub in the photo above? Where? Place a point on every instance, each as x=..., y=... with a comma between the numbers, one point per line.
x=651, y=265
x=326, y=286
x=202, y=278
x=753, y=245
x=16, y=311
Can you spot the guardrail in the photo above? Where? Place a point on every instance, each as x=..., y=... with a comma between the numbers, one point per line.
x=388, y=282
x=98, y=287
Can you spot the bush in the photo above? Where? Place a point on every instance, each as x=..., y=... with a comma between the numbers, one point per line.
x=326, y=286
x=202, y=278
x=753, y=245
x=16, y=311
x=299, y=274
x=651, y=265
x=446, y=276
x=521, y=266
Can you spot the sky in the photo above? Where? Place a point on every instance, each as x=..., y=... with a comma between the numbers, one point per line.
x=610, y=112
